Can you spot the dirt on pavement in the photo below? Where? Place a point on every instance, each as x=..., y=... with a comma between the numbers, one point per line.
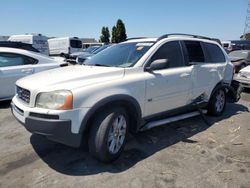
x=187, y=153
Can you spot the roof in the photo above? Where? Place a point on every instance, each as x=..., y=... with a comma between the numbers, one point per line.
x=19, y=45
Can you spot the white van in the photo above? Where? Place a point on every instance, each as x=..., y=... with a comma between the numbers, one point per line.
x=64, y=46
x=38, y=41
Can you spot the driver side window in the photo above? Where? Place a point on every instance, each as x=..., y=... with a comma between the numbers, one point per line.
x=172, y=52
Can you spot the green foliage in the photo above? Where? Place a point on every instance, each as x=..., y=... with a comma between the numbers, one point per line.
x=105, y=36
x=114, y=35
x=247, y=36
x=119, y=32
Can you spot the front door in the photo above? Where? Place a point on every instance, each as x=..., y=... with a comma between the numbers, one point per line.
x=169, y=88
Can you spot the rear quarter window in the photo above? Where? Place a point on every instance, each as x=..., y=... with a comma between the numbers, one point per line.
x=214, y=53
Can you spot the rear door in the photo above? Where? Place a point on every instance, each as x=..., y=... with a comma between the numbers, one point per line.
x=13, y=67
x=205, y=74
x=216, y=57
x=169, y=88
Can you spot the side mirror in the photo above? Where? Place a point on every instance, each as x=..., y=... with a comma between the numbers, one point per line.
x=158, y=65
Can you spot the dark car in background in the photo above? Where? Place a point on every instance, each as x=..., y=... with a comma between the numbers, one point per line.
x=87, y=51
x=240, y=59
x=83, y=57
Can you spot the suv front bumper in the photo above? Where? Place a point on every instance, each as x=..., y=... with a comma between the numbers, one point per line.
x=56, y=127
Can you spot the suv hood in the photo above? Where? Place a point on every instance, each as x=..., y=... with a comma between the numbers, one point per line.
x=70, y=77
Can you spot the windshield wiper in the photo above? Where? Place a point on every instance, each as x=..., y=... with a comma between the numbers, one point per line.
x=100, y=65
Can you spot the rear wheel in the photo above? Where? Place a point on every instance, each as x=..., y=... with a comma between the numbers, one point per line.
x=108, y=134
x=217, y=102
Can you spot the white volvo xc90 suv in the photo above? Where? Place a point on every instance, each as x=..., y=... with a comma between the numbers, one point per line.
x=135, y=85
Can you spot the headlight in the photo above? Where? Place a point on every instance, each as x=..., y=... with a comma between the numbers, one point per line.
x=56, y=100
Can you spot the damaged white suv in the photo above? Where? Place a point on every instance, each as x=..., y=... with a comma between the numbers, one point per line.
x=133, y=86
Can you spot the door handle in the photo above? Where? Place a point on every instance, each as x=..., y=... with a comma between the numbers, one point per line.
x=213, y=70
x=184, y=75
x=27, y=71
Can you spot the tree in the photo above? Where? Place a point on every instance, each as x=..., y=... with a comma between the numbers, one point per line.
x=105, y=35
x=119, y=32
x=114, y=35
x=246, y=36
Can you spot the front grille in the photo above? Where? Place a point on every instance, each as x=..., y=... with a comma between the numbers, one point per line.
x=23, y=94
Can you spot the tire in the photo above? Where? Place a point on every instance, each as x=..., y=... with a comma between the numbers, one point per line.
x=105, y=134
x=217, y=102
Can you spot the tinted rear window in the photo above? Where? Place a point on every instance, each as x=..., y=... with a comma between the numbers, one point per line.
x=195, y=52
x=214, y=53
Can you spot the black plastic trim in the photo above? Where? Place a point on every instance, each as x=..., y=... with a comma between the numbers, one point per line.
x=56, y=130
x=177, y=111
x=45, y=116
x=53, y=129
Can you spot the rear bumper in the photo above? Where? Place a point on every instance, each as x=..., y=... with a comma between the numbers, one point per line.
x=59, y=130
x=234, y=91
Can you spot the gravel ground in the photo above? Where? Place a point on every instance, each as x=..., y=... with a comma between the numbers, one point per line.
x=188, y=153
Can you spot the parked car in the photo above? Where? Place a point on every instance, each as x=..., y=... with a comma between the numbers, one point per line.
x=87, y=51
x=240, y=59
x=64, y=46
x=82, y=57
x=244, y=77
x=18, y=63
x=38, y=41
x=133, y=86
x=91, y=49
x=233, y=45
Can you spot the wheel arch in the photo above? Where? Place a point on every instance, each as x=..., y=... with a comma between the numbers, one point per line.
x=129, y=103
x=231, y=92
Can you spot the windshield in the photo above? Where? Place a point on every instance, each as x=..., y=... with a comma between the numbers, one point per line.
x=120, y=55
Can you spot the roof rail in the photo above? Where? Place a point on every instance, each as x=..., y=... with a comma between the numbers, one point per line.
x=188, y=35
x=135, y=38
x=182, y=34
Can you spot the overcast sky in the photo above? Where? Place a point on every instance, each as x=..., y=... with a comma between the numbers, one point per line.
x=223, y=19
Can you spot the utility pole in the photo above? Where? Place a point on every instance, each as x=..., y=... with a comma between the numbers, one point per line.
x=247, y=22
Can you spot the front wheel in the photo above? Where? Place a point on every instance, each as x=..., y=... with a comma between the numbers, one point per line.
x=108, y=134
x=217, y=103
